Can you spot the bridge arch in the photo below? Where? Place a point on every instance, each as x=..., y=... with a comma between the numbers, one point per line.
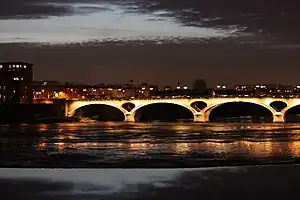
x=79, y=105
x=207, y=111
x=278, y=105
x=291, y=110
x=128, y=106
x=199, y=105
x=139, y=108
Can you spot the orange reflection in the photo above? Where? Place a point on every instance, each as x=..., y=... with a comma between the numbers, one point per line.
x=111, y=123
x=69, y=127
x=294, y=148
x=60, y=146
x=258, y=149
x=90, y=145
x=217, y=147
x=139, y=146
x=42, y=127
x=182, y=148
x=42, y=145
x=65, y=136
x=182, y=128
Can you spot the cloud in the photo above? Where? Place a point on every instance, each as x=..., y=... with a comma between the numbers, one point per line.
x=273, y=17
x=276, y=18
x=28, y=9
x=16, y=9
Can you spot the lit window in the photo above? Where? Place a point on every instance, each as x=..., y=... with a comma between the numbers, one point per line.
x=14, y=66
x=17, y=66
x=24, y=66
x=9, y=66
x=1, y=66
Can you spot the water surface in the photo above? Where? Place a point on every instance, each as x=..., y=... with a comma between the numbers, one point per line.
x=118, y=144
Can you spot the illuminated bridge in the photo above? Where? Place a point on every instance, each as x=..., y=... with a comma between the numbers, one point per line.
x=201, y=108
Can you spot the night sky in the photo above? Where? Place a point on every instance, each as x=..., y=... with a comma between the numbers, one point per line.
x=159, y=41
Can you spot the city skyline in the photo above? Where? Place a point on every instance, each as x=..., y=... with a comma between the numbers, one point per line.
x=158, y=41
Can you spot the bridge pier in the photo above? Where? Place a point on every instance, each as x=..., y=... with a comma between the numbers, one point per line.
x=199, y=117
x=278, y=118
x=129, y=117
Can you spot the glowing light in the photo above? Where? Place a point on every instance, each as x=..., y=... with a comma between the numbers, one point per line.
x=182, y=148
x=42, y=145
x=294, y=148
x=43, y=127
x=60, y=146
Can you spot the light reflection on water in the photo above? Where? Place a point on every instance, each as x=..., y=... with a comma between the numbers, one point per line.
x=148, y=145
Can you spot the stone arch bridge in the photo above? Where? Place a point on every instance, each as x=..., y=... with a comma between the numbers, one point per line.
x=200, y=115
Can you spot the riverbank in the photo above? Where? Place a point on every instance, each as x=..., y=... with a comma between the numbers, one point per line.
x=32, y=113
x=40, y=121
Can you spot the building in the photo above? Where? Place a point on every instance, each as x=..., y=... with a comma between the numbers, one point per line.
x=199, y=86
x=15, y=82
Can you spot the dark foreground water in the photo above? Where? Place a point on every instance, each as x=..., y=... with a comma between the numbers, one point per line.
x=235, y=183
x=97, y=145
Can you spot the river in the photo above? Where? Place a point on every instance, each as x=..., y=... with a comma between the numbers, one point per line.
x=261, y=161
x=118, y=144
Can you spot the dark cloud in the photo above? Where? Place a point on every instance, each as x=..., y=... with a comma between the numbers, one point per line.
x=30, y=9
x=277, y=18
x=24, y=9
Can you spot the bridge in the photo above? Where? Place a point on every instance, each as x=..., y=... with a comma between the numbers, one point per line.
x=130, y=107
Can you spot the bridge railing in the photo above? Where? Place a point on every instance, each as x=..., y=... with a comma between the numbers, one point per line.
x=184, y=97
